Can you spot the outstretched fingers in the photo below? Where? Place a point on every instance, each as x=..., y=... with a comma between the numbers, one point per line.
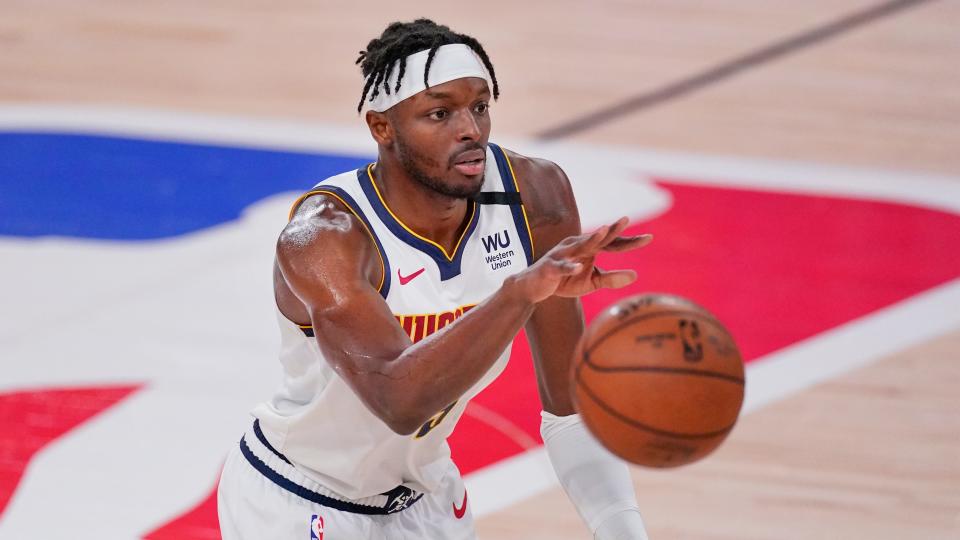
x=626, y=243
x=582, y=244
x=588, y=244
x=614, y=279
x=605, y=238
x=566, y=267
x=614, y=230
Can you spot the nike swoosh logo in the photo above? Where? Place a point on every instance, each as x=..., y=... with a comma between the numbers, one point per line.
x=459, y=512
x=406, y=279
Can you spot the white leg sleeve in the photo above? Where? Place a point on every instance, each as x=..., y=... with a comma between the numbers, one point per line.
x=597, y=482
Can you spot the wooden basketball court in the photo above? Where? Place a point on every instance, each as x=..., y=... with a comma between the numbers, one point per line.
x=871, y=453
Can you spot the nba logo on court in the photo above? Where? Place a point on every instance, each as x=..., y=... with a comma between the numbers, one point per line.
x=316, y=527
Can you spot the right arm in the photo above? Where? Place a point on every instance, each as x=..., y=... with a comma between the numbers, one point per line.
x=329, y=262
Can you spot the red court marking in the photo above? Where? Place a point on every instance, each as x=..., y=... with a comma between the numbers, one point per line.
x=200, y=523
x=32, y=419
x=775, y=268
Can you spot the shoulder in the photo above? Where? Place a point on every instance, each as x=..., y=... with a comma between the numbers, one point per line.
x=548, y=199
x=317, y=216
x=545, y=188
x=324, y=233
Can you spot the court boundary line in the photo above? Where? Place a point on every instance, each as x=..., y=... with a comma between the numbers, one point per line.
x=501, y=424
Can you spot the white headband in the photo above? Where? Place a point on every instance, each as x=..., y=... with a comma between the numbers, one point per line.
x=450, y=62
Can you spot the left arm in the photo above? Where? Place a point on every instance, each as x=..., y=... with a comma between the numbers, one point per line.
x=557, y=323
x=597, y=483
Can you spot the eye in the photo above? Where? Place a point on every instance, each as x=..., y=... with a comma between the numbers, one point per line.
x=438, y=114
x=482, y=107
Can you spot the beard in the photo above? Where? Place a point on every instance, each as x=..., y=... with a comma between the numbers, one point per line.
x=409, y=159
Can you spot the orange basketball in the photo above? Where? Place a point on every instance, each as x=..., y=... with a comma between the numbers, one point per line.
x=658, y=380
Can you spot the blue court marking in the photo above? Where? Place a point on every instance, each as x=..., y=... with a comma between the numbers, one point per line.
x=115, y=188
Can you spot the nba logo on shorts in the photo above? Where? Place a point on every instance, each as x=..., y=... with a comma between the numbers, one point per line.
x=316, y=527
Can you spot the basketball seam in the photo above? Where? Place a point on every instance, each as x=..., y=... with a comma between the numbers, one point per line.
x=704, y=317
x=683, y=371
x=620, y=416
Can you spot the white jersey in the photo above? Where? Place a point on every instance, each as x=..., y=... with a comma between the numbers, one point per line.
x=315, y=420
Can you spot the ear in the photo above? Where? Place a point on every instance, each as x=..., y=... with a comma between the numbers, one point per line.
x=380, y=128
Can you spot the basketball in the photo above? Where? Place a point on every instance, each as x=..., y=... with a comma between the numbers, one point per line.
x=658, y=380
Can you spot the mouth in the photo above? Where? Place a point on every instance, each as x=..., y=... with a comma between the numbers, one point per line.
x=470, y=163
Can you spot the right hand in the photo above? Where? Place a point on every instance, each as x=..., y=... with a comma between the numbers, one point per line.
x=569, y=269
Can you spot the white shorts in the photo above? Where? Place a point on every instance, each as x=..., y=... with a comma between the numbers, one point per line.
x=261, y=496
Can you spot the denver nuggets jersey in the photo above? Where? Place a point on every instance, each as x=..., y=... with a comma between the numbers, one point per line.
x=315, y=419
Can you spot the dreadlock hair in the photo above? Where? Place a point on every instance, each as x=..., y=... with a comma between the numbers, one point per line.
x=401, y=39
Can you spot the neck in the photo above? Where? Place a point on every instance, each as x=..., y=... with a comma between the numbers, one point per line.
x=432, y=215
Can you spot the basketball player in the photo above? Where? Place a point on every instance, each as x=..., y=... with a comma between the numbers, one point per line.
x=399, y=289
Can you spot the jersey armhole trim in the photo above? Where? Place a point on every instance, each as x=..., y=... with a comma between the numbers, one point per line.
x=523, y=207
x=519, y=211
x=354, y=208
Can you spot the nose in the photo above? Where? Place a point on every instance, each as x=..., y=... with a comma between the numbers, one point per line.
x=468, y=127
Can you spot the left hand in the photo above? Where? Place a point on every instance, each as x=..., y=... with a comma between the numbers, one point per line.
x=591, y=277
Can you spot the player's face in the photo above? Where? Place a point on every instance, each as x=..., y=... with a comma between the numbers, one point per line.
x=441, y=136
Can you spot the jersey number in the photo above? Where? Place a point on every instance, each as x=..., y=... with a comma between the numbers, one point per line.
x=435, y=421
